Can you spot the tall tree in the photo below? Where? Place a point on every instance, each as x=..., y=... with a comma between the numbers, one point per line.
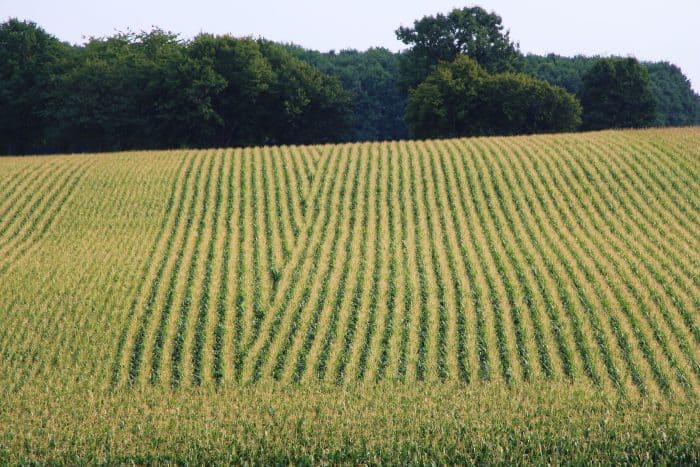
x=616, y=94
x=470, y=31
x=247, y=76
x=446, y=104
x=30, y=60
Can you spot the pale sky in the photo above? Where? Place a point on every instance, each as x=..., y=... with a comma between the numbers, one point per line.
x=649, y=30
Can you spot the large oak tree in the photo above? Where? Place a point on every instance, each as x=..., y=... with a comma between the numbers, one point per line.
x=470, y=31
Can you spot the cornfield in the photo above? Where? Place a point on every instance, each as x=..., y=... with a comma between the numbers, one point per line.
x=427, y=270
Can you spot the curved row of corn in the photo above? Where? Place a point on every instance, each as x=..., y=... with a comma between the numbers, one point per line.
x=567, y=257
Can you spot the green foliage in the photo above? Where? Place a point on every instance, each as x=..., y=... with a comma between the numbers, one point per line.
x=153, y=90
x=373, y=79
x=460, y=98
x=616, y=94
x=133, y=91
x=303, y=105
x=367, y=424
x=29, y=60
x=515, y=103
x=676, y=103
x=467, y=31
x=247, y=75
x=446, y=103
x=566, y=72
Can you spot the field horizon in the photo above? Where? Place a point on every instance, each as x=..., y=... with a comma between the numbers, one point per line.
x=360, y=302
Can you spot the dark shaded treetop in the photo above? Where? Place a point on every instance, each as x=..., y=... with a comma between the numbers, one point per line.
x=470, y=31
x=616, y=94
x=460, y=98
x=676, y=102
x=29, y=60
x=372, y=76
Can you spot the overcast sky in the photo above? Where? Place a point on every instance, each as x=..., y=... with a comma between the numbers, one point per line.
x=646, y=29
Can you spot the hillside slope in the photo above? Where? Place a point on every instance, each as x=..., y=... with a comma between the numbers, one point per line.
x=528, y=261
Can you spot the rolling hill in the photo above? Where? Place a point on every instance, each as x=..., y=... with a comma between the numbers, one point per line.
x=411, y=297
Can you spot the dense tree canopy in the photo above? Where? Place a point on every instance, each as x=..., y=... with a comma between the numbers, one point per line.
x=616, y=94
x=676, y=103
x=245, y=75
x=473, y=32
x=133, y=91
x=373, y=78
x=566, y=72
x=516, y=103
x=461, y=98
x=154, y=90
x=30, y=59
x=304, y=105
x=447, y=102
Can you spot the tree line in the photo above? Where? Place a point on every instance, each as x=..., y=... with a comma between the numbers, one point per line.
x=460, y=75
x=676, y=102
x=152, y=90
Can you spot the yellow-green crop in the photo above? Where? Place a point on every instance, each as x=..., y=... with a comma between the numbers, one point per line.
x=492, y=299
